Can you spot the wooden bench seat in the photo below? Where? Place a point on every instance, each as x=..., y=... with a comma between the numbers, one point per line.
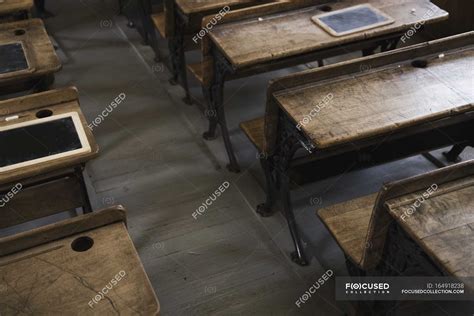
x=349, y=222
x=254, y=129
x=198, y=70
x=159, y=23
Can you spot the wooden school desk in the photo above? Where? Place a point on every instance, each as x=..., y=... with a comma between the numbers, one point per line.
x=47, y=187
x=280, y=35
x=180, y=21
x=365, y=112
x=86, y=265
x=28, y=57
x=15, y=9
x=389, y=234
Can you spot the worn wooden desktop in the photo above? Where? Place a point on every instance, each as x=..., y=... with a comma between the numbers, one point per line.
x=280, y=35
x=41, y=54
x=384, y=234
x=60, y=269
x=383, y=108
x=17, y=9
x=48, y=187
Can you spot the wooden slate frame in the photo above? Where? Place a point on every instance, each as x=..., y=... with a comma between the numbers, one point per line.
x=327, y=28
x=217, y=67
x=59, y=183
x=41, y=56
x=85, y=147
x=278, y=157
x=106, y=247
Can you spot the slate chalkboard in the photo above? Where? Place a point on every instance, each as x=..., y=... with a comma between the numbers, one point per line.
x=12, y=58
x=38, y=141
x=351, y=20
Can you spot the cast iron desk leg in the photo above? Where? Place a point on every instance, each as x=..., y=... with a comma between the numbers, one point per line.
x=216, y=112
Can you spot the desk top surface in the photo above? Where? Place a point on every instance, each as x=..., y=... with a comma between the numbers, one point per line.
x=202, y=6
x=382, y=100
x=27, y=108
x=39, y=50
x=254, y=41
x=63, y=275
x=11, y=6
x=443, y=224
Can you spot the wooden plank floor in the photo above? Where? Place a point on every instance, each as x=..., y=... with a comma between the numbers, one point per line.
x=153, y=161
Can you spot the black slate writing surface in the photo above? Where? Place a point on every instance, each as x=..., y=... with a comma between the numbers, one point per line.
x=353, y=19
x=12, y=58
x=38, y=141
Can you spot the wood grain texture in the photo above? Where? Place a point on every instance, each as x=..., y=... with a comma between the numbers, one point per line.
x=202, y=6
x=14, y=6
x=253, y=129
x=443, y=225
x=195, y=10
x=52, y=278
x=352, y=69
x=251, y=13
x=383, y=100
x=159, y=23
x=38, y=46
x=58, y=101
x=253, y=41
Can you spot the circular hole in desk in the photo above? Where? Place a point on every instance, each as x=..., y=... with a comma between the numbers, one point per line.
x=44, y=113
x=419, y=63
x=325, y=8
x=82, y=244
x=19, y=32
